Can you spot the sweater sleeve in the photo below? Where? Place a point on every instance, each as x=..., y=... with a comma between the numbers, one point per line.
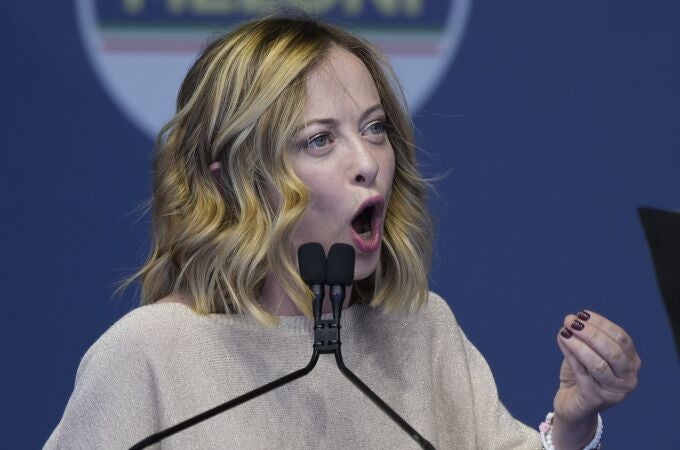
x=496, y=428
x=113, y=402
x=468, y=391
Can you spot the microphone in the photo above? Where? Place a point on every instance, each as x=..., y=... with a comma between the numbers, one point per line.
x=312, y=262
x=339, y=274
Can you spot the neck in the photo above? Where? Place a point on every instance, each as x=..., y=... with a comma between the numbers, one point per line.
x=275, y=301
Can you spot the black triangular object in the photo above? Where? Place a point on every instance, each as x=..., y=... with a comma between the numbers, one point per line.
x=662, y=229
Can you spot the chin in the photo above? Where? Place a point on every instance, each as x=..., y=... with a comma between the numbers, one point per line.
x=365, y=265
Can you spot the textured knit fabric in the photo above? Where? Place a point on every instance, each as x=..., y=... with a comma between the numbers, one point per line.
x=163, y=363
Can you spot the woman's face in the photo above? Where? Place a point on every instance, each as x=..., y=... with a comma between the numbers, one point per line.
x=343, y=156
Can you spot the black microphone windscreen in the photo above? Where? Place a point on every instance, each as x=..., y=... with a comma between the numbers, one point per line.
x=312, y=262
x=340, y=265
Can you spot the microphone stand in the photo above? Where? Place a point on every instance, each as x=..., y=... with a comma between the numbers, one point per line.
x=326, y=340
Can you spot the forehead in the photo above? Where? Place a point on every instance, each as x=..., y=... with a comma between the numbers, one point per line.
x=340, y=84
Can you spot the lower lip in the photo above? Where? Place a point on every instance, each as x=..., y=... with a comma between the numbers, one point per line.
x=371, y=244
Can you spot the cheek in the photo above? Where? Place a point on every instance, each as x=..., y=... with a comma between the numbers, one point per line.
x=322, y=221
x=325, y=193
x=320, y=178
x=325, y=200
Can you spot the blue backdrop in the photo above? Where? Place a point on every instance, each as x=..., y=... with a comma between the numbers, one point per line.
x=556, y=120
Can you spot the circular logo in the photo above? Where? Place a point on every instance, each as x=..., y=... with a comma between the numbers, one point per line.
x=142, y=49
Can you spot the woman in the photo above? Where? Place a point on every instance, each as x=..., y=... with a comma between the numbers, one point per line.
x=290, y=131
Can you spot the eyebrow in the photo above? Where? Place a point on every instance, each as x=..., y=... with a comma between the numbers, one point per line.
x=333, y=122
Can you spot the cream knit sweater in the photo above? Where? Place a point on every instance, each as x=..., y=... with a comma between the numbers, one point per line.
x=163, y=363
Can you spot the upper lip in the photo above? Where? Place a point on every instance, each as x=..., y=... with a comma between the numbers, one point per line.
x=377, y=201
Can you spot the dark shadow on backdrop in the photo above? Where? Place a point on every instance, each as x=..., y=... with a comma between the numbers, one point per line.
x=662, y=229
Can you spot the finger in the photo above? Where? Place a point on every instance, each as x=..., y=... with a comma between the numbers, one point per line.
x=621, y=363
x=596, y=366
x=587, y=385
x=577, y=368
x=614, y=331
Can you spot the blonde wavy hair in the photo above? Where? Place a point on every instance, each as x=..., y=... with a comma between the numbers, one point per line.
x=216, y=236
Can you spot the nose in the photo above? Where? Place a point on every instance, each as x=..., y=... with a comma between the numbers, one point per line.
x=366, y=165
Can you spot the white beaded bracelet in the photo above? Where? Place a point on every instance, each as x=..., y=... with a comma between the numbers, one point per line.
x=546, y=434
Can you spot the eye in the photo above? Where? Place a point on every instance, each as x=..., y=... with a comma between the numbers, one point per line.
x=318, y=141
x=376, y=131
x=377, y=127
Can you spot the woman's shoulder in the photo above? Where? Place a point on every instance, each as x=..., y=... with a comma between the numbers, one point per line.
x=139, y=331
x=440, y=322
x=438, y=310
x=119, y=367
x=148, y=321
x=433, y=321
x=434, y=310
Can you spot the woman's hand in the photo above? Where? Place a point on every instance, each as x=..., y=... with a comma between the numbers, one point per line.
x=600, y=369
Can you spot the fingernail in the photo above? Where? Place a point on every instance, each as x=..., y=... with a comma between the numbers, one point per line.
x=583, y=315
x=577, y=325
x=566, y=333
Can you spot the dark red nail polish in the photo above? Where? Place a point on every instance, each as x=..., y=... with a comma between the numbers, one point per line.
x=577, y=325
x=583, y=315
x=566, y=333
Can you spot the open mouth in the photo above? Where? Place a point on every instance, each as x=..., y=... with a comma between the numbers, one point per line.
x=367, y=224
x=363, y=222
